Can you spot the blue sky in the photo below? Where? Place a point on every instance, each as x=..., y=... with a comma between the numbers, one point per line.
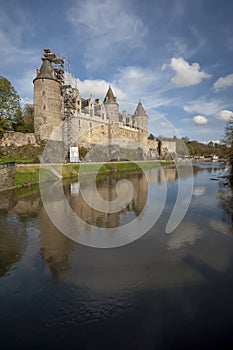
x=176, y=55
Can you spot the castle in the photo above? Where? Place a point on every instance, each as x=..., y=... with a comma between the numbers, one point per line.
x=88, y=122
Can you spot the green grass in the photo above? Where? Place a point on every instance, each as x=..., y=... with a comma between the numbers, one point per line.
x=26, y=176
x=120, y=167
x=18, y=159
x=29, y=175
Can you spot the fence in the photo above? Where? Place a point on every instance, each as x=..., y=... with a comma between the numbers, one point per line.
x=7, y=165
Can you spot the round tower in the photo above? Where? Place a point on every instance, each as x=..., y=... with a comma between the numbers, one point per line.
x=141, y=121
x=140, y=117
x=111, y=106
x=47, y=101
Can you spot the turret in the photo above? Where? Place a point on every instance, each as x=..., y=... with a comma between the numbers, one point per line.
x=111, y=106
x=141, y=121
x=140, y=117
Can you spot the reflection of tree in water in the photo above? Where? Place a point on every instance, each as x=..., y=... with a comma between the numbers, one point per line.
x=13, y=242
x=226, y=197
x=16, y=209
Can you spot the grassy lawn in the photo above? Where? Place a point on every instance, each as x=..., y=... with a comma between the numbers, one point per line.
x=6, y=159
x=28, y=175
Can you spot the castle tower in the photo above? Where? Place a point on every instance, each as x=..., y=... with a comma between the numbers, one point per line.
x=140, y=117
x=111, y=106
x=47, y=101
x=141, y=121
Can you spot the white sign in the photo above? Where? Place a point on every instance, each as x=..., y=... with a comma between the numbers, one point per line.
x=74, y=155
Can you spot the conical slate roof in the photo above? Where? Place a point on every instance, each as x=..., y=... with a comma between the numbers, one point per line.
x=46, y=70
x=110, y=98
x=140, y=111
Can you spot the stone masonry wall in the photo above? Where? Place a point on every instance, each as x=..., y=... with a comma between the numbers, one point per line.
x=47, y=107
x=7, y=176
x=106, y=132
x=17, y=139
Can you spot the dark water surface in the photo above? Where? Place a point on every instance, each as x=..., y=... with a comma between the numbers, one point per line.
x=163, y=291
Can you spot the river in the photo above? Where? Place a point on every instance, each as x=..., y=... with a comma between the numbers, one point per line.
x=161, y=291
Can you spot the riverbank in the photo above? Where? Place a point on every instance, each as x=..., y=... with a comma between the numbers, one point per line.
x=27, y=175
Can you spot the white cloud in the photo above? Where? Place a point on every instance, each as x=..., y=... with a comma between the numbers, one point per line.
x=147, y=84
x=186, y=74
x=179, y=46
x=203, y=107
x=97, y=88
x=200, y=120
x=106, y=26
x=223, y=82
x=136, y=80
x=224, y=115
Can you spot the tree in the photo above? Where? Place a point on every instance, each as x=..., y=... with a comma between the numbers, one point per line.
x=228, y=138
x=9, y=105
x=28, y=113
x=185, y=139
x=25, y=122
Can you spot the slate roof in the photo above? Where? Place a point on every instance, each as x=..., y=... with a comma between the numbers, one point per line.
x=140, y=111
x=110, y=98
x=46, y=70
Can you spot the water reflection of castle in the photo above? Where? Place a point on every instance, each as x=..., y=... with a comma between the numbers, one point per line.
x=55, y=248
x=107, y=190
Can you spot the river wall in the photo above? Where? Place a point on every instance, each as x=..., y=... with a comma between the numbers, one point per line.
x=7, y=176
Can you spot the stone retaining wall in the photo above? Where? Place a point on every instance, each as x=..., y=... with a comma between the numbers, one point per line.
x=7, y=177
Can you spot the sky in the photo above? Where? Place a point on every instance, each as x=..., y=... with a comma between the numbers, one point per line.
x=174, y=55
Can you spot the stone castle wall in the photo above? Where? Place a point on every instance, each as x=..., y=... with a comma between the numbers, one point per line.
x=18, y=139
x=170, y=145
x=105, y=132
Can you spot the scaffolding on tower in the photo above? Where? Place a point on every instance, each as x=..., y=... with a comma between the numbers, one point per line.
x=66, y=92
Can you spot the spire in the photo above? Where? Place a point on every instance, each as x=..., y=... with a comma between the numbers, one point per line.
x=140, y=111
x=110, y=98
x=46, y=70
